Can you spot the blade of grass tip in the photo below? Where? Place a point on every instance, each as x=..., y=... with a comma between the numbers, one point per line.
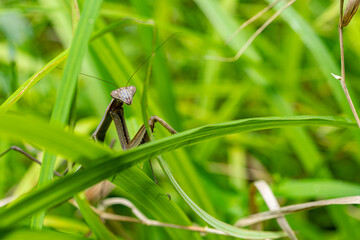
x=229, y=229
x=92, y=219
x=273, y=204
x=66, y=91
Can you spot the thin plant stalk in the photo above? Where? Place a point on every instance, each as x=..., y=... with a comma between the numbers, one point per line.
x=342, y=57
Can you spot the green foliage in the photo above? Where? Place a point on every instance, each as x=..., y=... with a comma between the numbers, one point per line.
x=224, y=113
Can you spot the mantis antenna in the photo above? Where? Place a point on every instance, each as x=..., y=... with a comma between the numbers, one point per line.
x=90, y=76
x=150, y=56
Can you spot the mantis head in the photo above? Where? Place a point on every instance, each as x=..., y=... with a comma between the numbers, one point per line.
x=124, y=94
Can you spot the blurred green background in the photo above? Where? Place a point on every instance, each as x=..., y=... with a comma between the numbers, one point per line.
x=285, y=72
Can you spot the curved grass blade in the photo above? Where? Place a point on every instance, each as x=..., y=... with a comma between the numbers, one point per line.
x=104, y=167
x=82, y=150
x=231, y=230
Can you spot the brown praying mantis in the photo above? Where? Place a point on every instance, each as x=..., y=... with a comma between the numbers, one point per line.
x=115, y=111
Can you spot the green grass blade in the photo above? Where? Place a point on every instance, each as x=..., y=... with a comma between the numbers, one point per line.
x=67, y=88
x=101, y=168
x=63, y=143
x=231, y=230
